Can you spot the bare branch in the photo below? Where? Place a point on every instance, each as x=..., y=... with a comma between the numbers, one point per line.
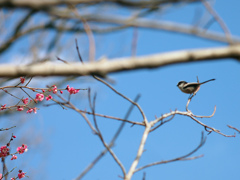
x=81, y=113
x=134, y=42
x=162, y=122
x=89, y=33
x=208, y=127
x=139, y=153
x=198, y=116
x=79, y=55
x=136, y=104
x=90, y=166
x=189, y=114
x=150, y=24
x=218, y=19
x=121, y=64
x=234, y=128
x=101, y=137
x=206, y=116
x=36, y=4
x=182, y=158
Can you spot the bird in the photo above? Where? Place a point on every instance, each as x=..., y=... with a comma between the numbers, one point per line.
x=191, y=88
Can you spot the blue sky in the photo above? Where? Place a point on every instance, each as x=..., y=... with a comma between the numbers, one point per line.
x=67, y=144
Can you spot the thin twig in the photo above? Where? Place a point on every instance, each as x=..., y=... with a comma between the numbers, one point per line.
x=219, y=20
x=203, y=140
x=134, y=42
x=29, y=81
x=234, y=128
x=189, y=114
x=199, y=116
x=101, y=137
x=5, y=129
x=79, y=55
x=10, y=93
x=211, y=128
x=97, y=114
x=89, y=34
x=136, y=104
x=163, y=122
x=90, y=166
x=64, y=61
x=28, y=95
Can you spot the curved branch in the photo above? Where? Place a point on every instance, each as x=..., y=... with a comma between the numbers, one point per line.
x=198, y=116
x=206, y=116
x=182, y=158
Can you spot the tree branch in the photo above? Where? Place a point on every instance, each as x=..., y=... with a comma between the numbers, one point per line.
x=45, y=3
x=182, y=158
x=104, y=67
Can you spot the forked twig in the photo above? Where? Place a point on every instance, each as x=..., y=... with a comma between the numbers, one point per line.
x=80, y=112
x=162, y=122
x=90, y=166
x=211, y=128
x=101, y=137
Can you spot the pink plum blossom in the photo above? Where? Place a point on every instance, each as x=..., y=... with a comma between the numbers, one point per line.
x=14, y=157
x=54, y=89
x=3, y=107
x=22, y=149
x=49, y=97
x=39, y=97
x=19, y=108
x=4, y=151
x=72, y=90
x=25, y=101
x=21, y=174
x=32, y=110
x=22, y=80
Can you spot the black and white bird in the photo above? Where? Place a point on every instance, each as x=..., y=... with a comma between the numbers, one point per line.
x=191, y=88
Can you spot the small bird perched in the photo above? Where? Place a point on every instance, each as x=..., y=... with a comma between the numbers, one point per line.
x=191, y=88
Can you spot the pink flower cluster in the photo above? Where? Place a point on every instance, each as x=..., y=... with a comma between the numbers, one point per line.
x=32, y=110
x=4, y=151
x=20, y=175
x=22, y=149
x=72, y=90
x=54, y=89
x=14, y=157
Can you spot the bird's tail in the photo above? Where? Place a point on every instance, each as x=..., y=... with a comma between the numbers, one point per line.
x=208, y=81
